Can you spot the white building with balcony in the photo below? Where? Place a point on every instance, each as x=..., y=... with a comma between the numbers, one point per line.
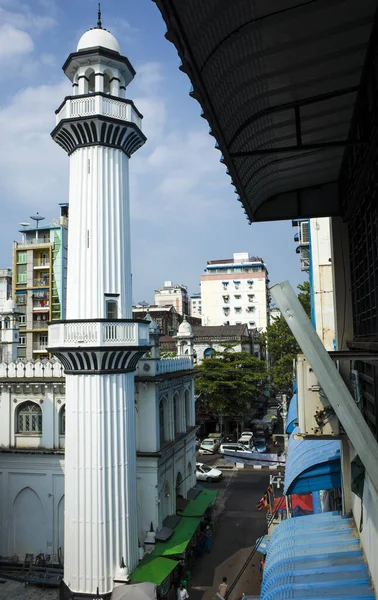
x=235, y=291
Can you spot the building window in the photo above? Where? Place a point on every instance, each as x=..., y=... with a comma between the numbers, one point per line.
x=29, y=418
x=43, y=341
x=237, y=309
x=111, y=309
x=226, y=310
x=237, y=296
x=251, y=297
x=162, y=428
x=6, y=323
x=62, y=420
x=22, y=340
x=22, y=319
x=21, y=257
x=209, y=353
x=176, y=413
x=226, y=299
x=21, y=273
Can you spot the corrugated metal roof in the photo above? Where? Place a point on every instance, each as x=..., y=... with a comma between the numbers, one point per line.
x=292, y=415
x=277, y=82
x=317, y=556
x=304, y=459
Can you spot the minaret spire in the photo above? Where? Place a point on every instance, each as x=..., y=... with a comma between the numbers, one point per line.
x=99, y=24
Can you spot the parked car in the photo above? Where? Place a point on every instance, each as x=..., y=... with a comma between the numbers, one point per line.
x=209, y=446
x=259, y=444
x=232, y=446
x=198, y=443
x=206, y=473
x=246, y=437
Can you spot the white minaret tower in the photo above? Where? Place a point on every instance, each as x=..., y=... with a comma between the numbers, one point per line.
x=9, y=332
x=99, y=344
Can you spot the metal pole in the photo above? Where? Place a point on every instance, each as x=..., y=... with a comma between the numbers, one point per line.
x=284, y=417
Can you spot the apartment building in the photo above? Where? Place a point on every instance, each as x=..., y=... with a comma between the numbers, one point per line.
x=173, y=294
x=195, y=306
x=39, y=282
x=235, y=291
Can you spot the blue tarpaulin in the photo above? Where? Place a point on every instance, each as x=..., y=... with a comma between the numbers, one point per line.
x=292, y=415
x=312, y=465
x=317, y=556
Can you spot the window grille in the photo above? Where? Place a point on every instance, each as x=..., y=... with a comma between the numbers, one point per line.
x=29, y=418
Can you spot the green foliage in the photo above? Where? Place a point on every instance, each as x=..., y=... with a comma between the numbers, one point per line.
x=230, y=382
x=168, y=354
x=282, y=346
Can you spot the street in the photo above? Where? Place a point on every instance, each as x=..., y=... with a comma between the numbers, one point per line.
x=237, y=526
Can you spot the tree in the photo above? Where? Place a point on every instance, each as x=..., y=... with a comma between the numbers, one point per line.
x=230, y=382
x=282, y=345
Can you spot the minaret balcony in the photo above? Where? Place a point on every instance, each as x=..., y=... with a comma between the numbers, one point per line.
x=99, y=333
x=99, y=104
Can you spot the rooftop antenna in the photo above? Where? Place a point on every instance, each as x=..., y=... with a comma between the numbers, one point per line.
x=99, y=24
x=37, y=218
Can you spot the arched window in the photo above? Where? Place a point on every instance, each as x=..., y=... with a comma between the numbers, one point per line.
x=107, y=77
x=209, y=353
x=161, y=422
x=179, y=484
x=6, y=323
x=29, y=418
x=90, y=83
x=176, y=413
x=62, y=420
x=111, y=309
x=188, y=420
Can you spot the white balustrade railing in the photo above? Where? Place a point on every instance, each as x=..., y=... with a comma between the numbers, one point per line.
x=98, y=333
x=98, y=105
x=178, y=363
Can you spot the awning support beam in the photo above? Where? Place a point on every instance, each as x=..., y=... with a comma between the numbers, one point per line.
x=329, y=378
x=299, y=147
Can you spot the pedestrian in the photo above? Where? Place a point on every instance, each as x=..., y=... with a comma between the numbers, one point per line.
x=223, y=588
x=208, y=536
x=182, y=593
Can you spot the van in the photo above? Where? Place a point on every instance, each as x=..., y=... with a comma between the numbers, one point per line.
x=246, y=438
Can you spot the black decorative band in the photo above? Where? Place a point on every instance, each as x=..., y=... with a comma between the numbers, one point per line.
x=71, y=134
x=99, y=361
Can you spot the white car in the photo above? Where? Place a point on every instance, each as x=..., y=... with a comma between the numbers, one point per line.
x=206, y=473
x=246, y=438
x=208, y=446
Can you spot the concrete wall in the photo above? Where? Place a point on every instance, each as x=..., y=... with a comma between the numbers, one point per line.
x=31, y=503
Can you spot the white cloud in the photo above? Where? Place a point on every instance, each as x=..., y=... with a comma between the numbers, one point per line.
x=33, y=170
x=22, y=17
x=14, y=42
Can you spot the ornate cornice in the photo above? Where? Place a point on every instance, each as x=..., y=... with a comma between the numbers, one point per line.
x=99, y=361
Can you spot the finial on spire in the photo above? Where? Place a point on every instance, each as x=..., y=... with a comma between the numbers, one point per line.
x=99, y=24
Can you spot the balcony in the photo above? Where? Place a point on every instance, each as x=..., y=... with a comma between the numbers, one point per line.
x=42, y=263
x=99, y=333
x=97, y=104
x=41, y=240
x=40, y=347
x=41, y=282
x=40, y=324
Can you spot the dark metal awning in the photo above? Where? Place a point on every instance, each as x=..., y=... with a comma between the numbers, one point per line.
x=277, y=81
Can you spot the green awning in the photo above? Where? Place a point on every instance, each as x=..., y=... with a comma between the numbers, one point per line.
x=153, y=569
x=179, y=540
x=198, y=506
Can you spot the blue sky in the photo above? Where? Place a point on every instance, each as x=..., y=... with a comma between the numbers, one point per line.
x=183, y=207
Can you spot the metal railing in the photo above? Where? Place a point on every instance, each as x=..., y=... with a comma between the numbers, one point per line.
x=99, y=333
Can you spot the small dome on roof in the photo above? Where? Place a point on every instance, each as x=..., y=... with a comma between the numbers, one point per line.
x=185, y=328
x=10, y=306
x=98, y=37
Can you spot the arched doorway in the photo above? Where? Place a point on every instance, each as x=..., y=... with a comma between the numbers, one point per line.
x=179, y=484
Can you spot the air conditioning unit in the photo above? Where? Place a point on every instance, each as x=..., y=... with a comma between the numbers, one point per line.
x=315, y=414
